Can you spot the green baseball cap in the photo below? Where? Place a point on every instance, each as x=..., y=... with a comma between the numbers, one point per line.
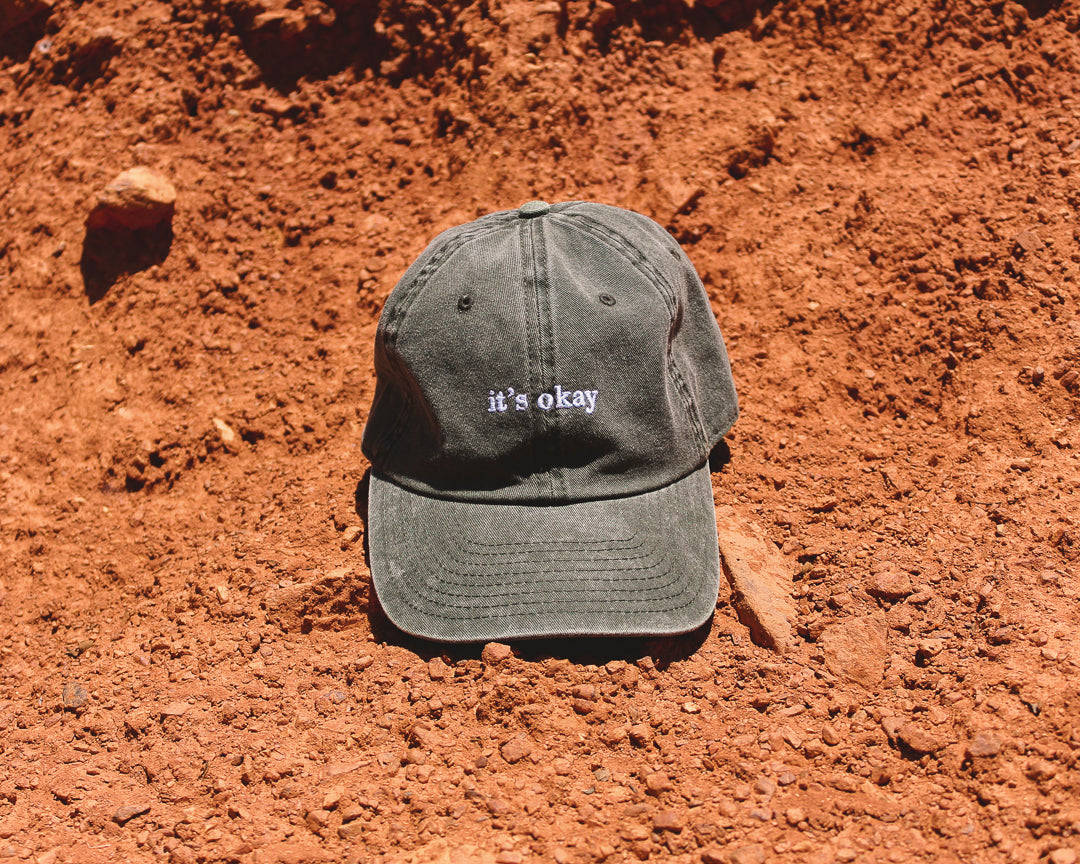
x=550, y=383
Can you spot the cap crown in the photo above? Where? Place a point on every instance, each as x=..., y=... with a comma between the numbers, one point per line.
x=564, y=355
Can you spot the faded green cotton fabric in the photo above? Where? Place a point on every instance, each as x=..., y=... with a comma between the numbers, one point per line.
x=543, y=358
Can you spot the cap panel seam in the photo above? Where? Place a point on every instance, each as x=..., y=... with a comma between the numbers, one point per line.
x=547, y=330
x=397, y=316
x=655, y=277
x=529, y=230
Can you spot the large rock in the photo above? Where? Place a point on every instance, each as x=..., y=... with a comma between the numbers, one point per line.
x=760, y=580
x=136, y=199
x=855, y=650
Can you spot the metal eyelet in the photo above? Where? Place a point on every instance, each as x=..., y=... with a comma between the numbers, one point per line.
x=464, y=303
x=607, y=299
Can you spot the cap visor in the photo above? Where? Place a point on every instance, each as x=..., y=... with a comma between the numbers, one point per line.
x=454, y=571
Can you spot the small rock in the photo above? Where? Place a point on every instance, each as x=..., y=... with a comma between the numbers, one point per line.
x=658, y=782
x=765, y=786
x=830, y=735
x=351, y=830
x=74, y=696
x=127, y=812
x=137, y=198
x=136, y=722
x=669, y=820
x=984, y=745
x=613, y=735
x=350, y=535
x=175, y=709
x=317, y=819
x=438, y=670
x=918, y=739
x=510, y=856
x=754, y=854
x=1028, y=241
x=794, y=815
x=927, y=650
x=228, y=436
x=891, y=725
x=495, y=653
x=1039, y=770
x=714, y=855
x=497, y=807
x=891, y=585
x=855, y=650
x=641, y=735
x=1062, y=856
x=515, y=750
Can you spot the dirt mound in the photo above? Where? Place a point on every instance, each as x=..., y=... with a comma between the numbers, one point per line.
x=882, y=200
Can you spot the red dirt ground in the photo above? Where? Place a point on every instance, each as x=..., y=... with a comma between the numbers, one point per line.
x=882, y=199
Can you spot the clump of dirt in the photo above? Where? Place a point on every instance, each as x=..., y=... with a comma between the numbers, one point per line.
x=882, y=201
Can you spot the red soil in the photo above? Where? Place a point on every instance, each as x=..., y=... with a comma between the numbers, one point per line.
x=882, y=200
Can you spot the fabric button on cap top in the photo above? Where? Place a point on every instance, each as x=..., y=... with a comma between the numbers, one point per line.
x=533, y=208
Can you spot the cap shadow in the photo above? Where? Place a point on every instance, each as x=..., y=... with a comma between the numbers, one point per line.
x=581, y=650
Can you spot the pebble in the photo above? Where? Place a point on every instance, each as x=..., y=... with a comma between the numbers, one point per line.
x=918, y=739
x=1062, y=856
x=890, y=585
x=1039, y=770
x=765, y=786
x=813, y=748
x=127, y=812
x=794, y=815
x=658, y=782
x=753, y=854
x=641, y=735
x=497, y=807
x=438, y=670
x=135, y=199
x=855, y=650
x=830, y=735
x=351, y=830
x=495, y=653
x=515, y=750
x=175, y=709
x=74, y=696
x=227, y=435
x=509, y=856
x=669, y=820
